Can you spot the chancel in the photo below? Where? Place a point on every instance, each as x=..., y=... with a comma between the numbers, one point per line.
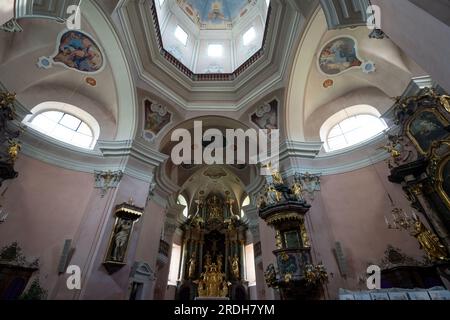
x=224, y=150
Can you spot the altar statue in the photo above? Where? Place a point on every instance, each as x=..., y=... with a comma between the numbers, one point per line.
x=297, y=190
x=429, y=242
x=235, y=266
x=214, y=207
x=208, y=260
x=219, y=262
x=192, y=264
x=120, y=237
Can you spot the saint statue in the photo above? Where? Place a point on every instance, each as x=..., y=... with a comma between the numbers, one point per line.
x=429, y=242
x=215, y=210
x=235, y=266
x=121, y=234
x=273, y=196
x=219, y=262
x=297, y=191
x=192, y=264
x=207, y=258
x=224, y=291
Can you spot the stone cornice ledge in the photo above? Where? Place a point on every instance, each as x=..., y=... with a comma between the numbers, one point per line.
x=364, y=155
x=299, y=149
x=132, y=157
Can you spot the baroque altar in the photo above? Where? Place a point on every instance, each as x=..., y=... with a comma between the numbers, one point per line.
x=214, y=237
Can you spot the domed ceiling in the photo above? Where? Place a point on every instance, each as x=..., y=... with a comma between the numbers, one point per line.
x=215, y=14
x=212, y=36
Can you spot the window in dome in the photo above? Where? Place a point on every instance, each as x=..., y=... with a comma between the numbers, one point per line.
x=215, y=50
x=249, y=36
x=181, y=35
x=353, y=130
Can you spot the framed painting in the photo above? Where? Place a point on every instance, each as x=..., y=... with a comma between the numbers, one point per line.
x=426, y=127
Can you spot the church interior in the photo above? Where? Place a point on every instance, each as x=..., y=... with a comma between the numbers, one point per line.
x=100, y=98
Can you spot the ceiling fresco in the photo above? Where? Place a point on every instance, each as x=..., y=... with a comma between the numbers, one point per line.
x=215, y=14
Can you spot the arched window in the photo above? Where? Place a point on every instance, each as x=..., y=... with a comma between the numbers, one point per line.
x=65, y=123
x=182, y=201
x=351, y=126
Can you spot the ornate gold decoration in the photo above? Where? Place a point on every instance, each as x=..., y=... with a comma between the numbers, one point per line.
x=316, y=274
x=212, y=282
x=13, y=150
x=215, y=208
x=234, y=261
x=270, y=275
x=445, y=102
x=297, y=190
x=429, y=242
x=304, y=235
x=278, y=240
x=273, y=196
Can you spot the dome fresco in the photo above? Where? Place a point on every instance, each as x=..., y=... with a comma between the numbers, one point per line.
x=213, y=14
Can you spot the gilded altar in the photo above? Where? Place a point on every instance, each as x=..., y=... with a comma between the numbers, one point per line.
x=419, y=145
x=214, y=239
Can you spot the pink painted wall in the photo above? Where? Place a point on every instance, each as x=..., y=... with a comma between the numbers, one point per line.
x=45, y=205
x=409, y=25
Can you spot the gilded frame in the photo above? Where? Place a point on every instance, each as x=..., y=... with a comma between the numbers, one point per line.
x=438, y=115
x=440, y=180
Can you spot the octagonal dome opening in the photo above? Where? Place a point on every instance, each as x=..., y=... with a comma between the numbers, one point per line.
x=212, y=36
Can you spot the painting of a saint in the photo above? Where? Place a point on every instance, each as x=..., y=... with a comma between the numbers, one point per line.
x=78, y=51
x=427, y=127
x=338, y=56
x=156, y=118
x=266, y=116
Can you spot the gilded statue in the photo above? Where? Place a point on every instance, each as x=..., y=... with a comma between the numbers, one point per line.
x=234, y=261
x=192, y=264
x=215, y=208
x=304, y=235
x=445, y=102
x=13, y=150
x=212, y=283
x=121, y=235
x=273, y=196
x=278, y=240
x=297, y=190
x=277, y=178
x=208, y=260
x=429, y=242
x=219, y=262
